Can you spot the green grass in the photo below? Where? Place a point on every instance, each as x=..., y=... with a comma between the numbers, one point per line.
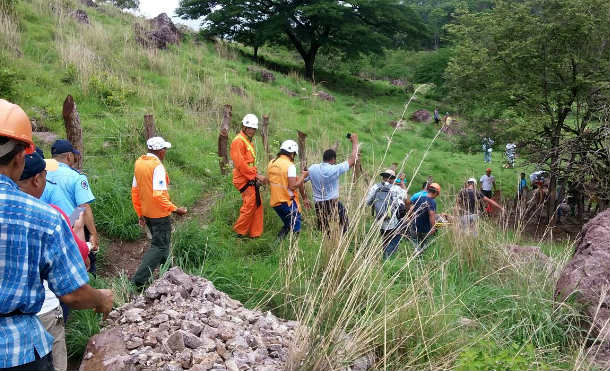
x=115, y=82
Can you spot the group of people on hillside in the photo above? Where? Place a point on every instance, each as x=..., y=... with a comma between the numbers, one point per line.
x=287, y=191
x=389, y=199
x=47, y=241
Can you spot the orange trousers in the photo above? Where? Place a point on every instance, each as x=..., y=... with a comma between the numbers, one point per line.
x=250, y=221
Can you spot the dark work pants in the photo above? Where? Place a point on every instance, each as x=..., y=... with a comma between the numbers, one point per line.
x=327, y=211
x=39, y=364
x=161, y=230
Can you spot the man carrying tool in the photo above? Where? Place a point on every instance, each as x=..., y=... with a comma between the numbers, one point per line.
x=247, y=180
x=283, y=180
x=151, y=202
x=325, y=184
x=467, y=203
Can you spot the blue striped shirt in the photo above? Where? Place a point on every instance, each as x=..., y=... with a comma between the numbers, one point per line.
x=35, y=244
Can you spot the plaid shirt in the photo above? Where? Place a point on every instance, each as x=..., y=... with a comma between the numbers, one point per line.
x=35, y=244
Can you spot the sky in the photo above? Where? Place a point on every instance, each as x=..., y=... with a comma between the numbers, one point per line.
x=152, y=8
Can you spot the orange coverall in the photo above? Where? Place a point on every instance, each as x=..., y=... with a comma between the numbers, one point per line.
x=250, y=221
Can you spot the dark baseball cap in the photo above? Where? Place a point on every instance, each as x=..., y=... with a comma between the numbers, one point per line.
x=62, y=146
x=35, y=164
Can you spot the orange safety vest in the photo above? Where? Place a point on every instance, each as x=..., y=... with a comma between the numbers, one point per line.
x=146, y=201
x=277, y=173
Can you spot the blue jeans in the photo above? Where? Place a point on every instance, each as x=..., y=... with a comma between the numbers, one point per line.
x=391, y=240
x=487, y=156
x=291, y=217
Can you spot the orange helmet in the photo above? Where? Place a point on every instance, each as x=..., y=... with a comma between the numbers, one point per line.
x=436, y=186
x=15, y=124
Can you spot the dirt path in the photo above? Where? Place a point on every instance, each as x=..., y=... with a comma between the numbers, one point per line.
x=125, y=256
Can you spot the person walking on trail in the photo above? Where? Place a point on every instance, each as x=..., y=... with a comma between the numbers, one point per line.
x=150, y=199
x=467, y=204
x=387, y=200
x=32, y=229
x=70, y=189
x=510, y=151
x=33, y=182
x=283, y=180
x=522, y=185
x=247, y=180
x=437, y=117
x=324, y=179
x=424, y=218
x=488, y=184
x=487, y=149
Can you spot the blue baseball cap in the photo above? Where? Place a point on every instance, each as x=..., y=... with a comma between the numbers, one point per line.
x=62, y=146
x=35, y=164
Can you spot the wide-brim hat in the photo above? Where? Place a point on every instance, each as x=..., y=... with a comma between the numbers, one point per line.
x=388, y=173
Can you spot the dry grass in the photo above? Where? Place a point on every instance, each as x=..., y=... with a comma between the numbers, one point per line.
x=10, y=37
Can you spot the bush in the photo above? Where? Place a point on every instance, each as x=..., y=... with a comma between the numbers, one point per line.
x=492, y=356
x=70, y=75
x=8, y=83
x=110, y=90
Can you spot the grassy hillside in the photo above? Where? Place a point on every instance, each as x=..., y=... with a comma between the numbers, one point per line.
x=408, y=312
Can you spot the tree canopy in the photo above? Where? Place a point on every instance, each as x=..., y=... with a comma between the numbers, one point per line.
x=352, y=26
x=543, y=66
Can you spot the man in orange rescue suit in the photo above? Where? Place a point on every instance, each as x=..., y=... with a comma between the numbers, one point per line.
x=152, y=204
x=247, y=180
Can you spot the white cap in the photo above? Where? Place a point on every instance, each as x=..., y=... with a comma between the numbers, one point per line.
x=472, y=180
x=250, y=121
x=157, y=144
x=388, y=173
x=290, y=146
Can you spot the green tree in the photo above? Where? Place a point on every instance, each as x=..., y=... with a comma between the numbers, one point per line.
x=350, y=26
x=546, y=62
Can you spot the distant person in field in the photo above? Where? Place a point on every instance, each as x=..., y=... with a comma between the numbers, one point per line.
x=150, y=199
x=247, y=180
x=387, y=200
x=437, y=117
x=468, y=200
x=424, y=211
x=488, y=184
x=36, y=245
x=522, y=185
x=487, y=149
x=284, y=184
x=511, y=149
x=70, y=189
x=33, y=182
x=324, y=179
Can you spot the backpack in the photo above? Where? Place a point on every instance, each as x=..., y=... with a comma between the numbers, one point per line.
x=384, y=205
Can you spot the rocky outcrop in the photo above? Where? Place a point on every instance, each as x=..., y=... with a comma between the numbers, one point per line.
x=162, y=32
x=81, y=16
x=325, y=96
x=182, y=322
x=261, y=74
x=89, y=3
x=421, y=115
x=398, y=82
x=586, y=277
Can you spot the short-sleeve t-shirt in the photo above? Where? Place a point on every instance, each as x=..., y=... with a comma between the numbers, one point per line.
x=67, y=188
x=417, y=195
x=487, y=182
x=422, y=219
x=325, y=180
x=467, y=200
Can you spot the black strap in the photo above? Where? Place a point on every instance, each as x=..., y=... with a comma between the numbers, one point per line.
x=253, y=183
x=13, y=313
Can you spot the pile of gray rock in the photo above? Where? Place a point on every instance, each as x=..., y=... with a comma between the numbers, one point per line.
x=162, y=32
x=183, y=322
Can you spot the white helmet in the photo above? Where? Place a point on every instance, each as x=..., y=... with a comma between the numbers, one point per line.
x=472, y=180
x=250, y=121
x=290, y=146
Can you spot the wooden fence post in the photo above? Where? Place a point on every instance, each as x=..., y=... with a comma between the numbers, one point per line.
x=149, y=126
x=302, y=152
x=265, y=135
x=223, y=138
x=74, y=131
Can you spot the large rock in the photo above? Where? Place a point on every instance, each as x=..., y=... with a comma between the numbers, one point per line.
x=106, y=351
x=162, y=32
x=421, y=115
x=586, y=276
x=81, y=16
